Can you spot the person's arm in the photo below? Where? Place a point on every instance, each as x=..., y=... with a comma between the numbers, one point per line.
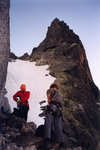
x=15, y=97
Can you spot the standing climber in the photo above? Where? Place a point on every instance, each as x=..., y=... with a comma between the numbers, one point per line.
x=21, y=97
x=53, y=118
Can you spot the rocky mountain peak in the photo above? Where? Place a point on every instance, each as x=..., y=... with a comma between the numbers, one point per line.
x=62, y=42
x=60, y=32
x=63, y=51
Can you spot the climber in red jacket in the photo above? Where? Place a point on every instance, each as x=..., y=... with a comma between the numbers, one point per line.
x=21, y=97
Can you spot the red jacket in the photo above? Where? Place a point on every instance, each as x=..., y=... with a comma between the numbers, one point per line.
x=23, y=96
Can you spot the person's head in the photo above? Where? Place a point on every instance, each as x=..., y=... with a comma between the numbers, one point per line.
x=54, y=86
x=23, y=87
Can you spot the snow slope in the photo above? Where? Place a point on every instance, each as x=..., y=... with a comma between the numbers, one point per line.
x=37, y=80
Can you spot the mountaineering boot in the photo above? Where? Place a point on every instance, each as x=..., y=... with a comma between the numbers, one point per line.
x=47, y=144
x=62, y=146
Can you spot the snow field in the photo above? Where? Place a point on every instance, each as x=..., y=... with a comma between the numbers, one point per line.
x=37, y=82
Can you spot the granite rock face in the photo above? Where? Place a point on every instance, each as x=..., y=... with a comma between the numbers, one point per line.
x=4, y=49
x=65, y=54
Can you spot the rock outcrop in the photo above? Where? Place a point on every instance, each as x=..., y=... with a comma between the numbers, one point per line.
x=4, y=49
x=16, y=134
x=14, y=57
x=65, y=54
x=24, y=57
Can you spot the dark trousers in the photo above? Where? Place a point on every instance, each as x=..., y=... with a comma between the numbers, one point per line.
x=56, y=123
x=23, y=112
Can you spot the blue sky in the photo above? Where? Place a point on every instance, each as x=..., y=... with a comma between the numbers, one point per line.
x=29, y=21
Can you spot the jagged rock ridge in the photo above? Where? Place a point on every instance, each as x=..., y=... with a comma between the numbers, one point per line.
x=14, y=57
x=65, y=54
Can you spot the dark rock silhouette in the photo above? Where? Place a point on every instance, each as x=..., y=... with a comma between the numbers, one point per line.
x=24, y=57
x=15, y=133
x=65, y=54
x=14, y=57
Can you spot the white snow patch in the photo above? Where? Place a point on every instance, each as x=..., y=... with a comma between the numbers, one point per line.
x=37, y=83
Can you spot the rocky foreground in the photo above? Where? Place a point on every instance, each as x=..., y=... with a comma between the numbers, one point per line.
x=16, y=134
